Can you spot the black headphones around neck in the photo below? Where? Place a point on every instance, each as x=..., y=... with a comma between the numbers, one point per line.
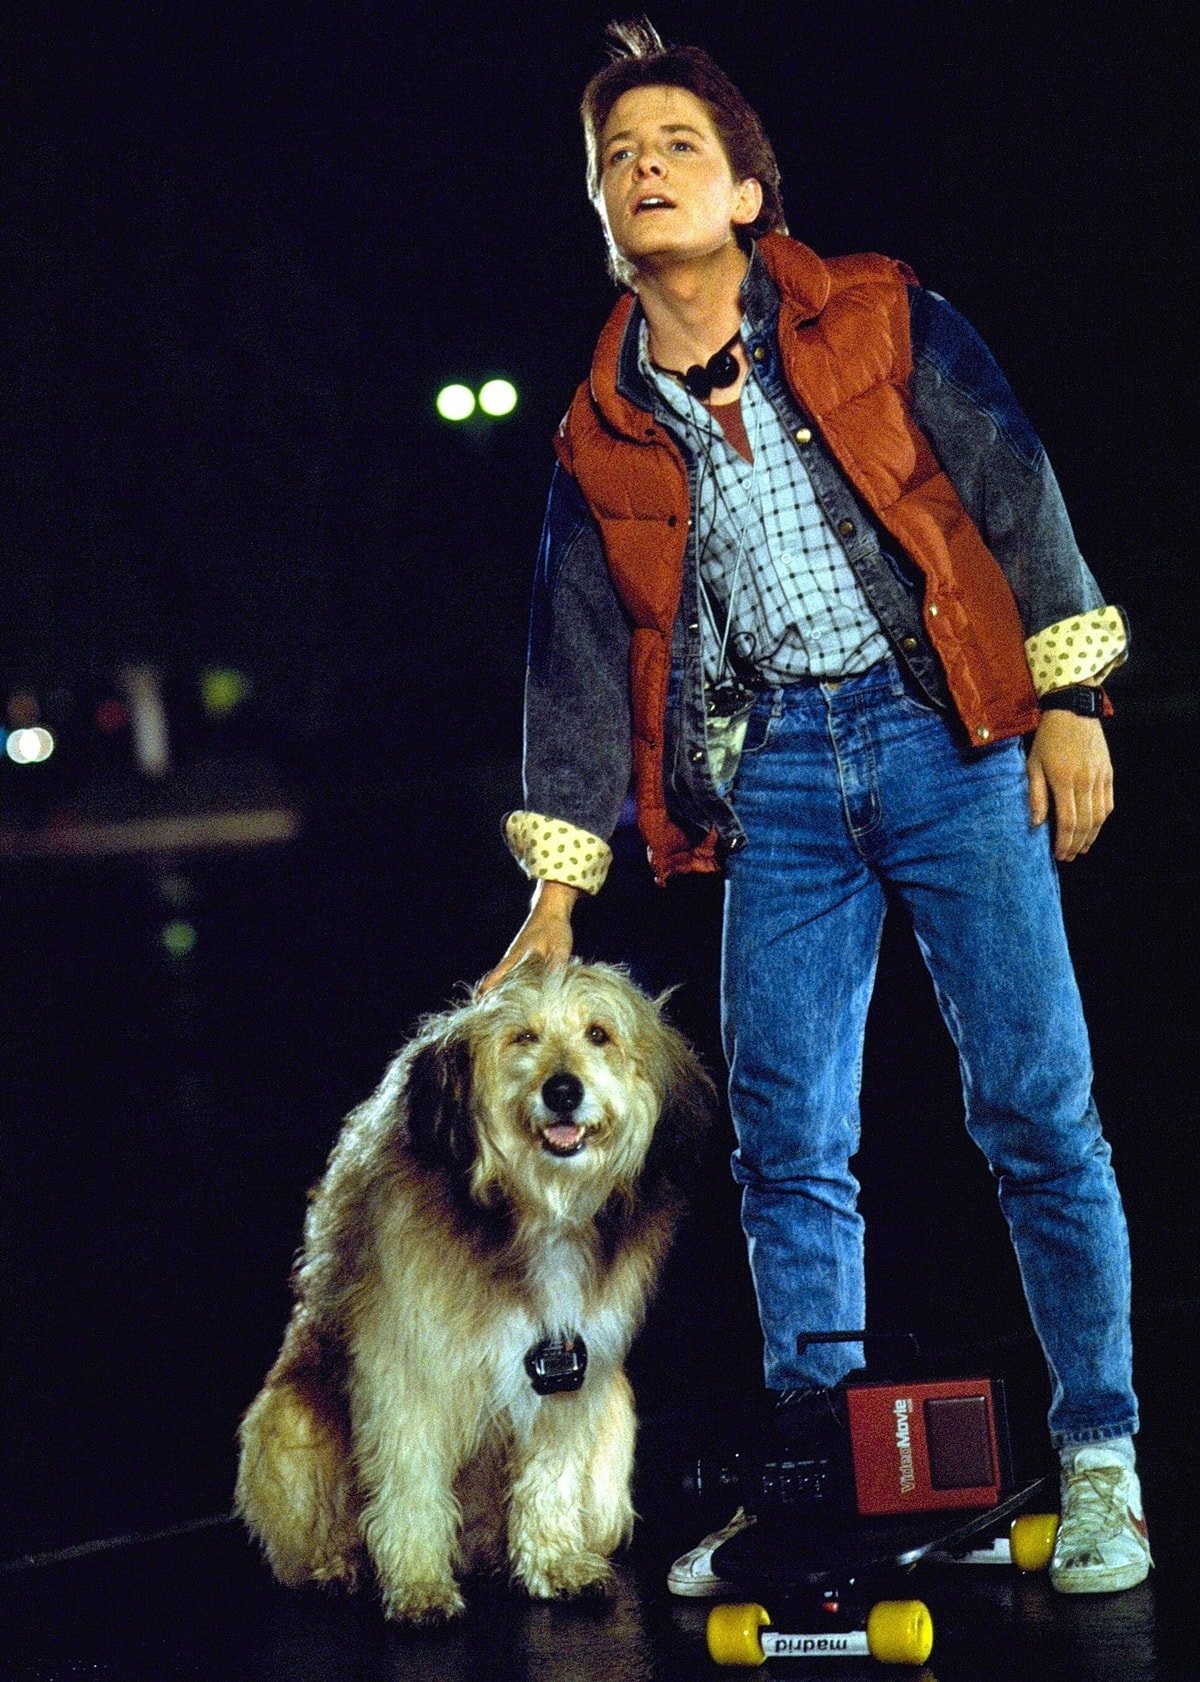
x=702, y=379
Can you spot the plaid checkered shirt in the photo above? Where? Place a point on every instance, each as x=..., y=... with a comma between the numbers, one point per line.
x=798, y=608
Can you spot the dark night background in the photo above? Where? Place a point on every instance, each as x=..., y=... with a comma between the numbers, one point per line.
x=246, y=246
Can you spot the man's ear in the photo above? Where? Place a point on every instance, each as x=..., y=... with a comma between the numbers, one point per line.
x=749, y=202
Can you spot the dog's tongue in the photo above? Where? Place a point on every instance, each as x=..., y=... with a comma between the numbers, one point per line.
x=563, y=1135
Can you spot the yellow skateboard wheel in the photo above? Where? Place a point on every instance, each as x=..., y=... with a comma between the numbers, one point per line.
x=1031, y=1540
x=900, y=1632
x=732, y=1634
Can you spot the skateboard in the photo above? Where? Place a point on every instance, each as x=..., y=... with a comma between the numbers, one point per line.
x=825, y=1565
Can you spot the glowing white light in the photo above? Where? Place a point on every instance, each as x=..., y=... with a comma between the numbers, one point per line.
x=30, y=746
x=498, y=397
x=455, y=402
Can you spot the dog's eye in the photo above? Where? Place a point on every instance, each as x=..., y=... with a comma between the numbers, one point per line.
x=597, y=1034
x=524, y=1036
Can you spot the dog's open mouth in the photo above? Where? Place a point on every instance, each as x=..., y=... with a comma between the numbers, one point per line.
x=564, y=1138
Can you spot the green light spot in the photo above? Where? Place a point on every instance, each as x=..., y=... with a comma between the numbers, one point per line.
x=179, y=938
x=498, y=397
x=222, y=691
x=455, y=402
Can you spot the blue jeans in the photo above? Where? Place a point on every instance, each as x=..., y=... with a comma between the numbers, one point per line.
x=841, y=789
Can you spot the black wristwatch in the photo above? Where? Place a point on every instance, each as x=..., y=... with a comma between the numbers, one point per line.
x=1078, y=698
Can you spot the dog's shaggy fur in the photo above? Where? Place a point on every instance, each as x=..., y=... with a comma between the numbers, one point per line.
x=514, y=1177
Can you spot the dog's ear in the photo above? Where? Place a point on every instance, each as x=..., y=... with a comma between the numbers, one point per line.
x=690, y=1103
x=437, y=1104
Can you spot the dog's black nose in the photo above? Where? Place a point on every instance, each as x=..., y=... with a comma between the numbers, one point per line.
x=562, y=1093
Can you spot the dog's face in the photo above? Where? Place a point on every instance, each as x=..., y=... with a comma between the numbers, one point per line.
x=563, y=1071
x=550, y=1088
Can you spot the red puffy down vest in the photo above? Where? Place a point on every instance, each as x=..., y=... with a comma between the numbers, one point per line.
x=844, y=342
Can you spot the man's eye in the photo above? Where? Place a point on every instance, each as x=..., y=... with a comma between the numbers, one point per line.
x=682, y=146
x=619, y=155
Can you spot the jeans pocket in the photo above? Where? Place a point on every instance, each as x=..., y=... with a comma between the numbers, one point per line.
x=759, y=726
x=911, y=698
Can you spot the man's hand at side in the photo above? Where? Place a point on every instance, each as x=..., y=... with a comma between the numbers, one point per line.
x=1070, y=776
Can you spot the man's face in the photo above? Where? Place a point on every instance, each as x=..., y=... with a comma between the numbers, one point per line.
x=667, y=192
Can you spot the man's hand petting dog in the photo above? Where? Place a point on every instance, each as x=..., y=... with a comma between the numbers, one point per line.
x=545, y=933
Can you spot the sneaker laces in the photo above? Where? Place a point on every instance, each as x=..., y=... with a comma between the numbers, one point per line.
x=1094, y=1508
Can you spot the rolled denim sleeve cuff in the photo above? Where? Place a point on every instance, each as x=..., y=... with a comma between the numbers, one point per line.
x=549, y=850
x=1082, y=649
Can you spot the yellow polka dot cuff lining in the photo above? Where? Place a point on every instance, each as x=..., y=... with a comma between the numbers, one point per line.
x=549, y=850
x=1081, y=650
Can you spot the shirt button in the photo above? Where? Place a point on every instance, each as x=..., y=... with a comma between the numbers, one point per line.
x=933, y=610
x=696, y=755
x=982, y=731
x=693, y=627
x=910, y=645
x=847, y=528
x=760, y=354
x=803, y=435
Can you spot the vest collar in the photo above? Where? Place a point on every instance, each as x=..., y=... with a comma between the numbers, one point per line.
x=797, y=272
x=777, y=265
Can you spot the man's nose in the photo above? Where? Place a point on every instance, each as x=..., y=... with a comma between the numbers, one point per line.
x=647, y=163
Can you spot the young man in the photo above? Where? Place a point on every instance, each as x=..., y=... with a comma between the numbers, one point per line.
x=806, y=574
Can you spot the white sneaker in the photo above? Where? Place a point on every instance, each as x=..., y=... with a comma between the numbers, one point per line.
x=1102, y=1542
x=692, y=1573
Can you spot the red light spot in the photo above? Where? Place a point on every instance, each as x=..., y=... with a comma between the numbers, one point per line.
x=22, y=710
x=112, y=716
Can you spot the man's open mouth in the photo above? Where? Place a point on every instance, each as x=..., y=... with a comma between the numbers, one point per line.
x=652, y=202
x=564, y=1138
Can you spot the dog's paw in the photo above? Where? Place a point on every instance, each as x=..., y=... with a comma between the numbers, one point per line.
x=338, y=1569
x=424, y=1603
x=569, y=1577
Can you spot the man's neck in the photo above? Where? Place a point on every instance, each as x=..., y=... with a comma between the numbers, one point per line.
x=692, y=308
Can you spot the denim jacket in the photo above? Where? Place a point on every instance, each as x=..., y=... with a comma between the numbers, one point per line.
x=577, y=721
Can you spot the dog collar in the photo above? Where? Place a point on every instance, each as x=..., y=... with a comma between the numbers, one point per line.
x=557, y=1364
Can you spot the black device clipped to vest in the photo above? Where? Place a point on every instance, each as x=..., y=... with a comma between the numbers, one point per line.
x=557, y=1364
x=702, y=379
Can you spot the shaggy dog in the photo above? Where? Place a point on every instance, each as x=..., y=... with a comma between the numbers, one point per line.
x=490, y=1225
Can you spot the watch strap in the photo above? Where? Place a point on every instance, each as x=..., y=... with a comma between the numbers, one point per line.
x=1082, y=698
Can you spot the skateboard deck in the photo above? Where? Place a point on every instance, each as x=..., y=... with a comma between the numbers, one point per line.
x=799, y=1546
